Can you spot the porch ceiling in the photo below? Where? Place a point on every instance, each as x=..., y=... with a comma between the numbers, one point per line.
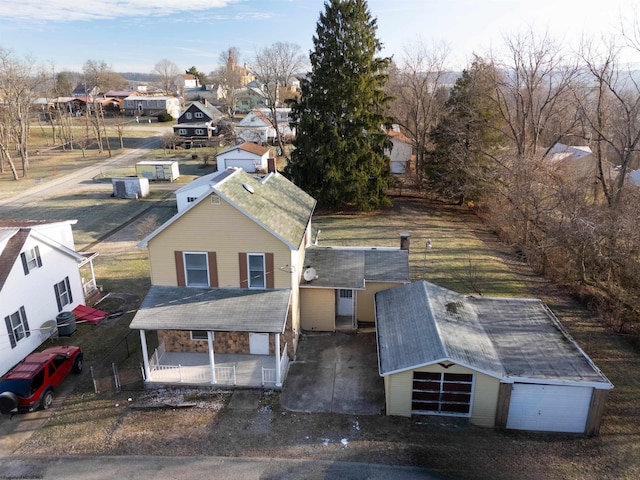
x=216, y=309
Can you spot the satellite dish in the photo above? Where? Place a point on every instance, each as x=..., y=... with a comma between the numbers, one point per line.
x=309, y=274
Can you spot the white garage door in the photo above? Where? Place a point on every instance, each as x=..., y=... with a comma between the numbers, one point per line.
x=549, y=408
x=246, y=164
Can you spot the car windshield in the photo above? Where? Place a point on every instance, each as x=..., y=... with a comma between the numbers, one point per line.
x=20, y=387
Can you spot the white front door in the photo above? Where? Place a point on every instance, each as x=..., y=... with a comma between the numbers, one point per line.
x=549, y=408
x=345, y=303
x=259, y=343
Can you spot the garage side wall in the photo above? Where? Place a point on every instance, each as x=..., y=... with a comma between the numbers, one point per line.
x=398, y=393
x=317, y=309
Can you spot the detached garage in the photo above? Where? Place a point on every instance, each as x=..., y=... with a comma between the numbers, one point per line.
x=499, y=362
x=249, y=156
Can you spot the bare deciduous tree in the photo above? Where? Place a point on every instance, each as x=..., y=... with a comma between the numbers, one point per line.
x=167, y=71
x=18, y=82
x=230, y=79
x=533, y=90
x=418, y=85
x=274, y=67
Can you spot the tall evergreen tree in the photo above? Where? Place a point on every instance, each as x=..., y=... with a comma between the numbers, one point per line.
x=340, y=139
x=466, y=137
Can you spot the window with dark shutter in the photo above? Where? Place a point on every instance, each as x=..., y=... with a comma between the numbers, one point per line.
x=17, y=326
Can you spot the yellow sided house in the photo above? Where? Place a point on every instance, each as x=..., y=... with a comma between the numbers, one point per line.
x=225, y=272
x=497, y=361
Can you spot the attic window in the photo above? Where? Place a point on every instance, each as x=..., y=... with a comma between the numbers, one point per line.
x=248, y=187
x=215, y=200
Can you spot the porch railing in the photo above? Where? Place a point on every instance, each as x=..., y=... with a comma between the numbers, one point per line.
x=269, y=374
x=192, y=374
x=89, y=286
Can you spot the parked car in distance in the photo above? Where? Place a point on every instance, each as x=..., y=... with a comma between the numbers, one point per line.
x=31, y=383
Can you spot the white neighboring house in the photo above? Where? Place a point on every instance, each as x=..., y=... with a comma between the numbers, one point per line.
x=400, y=154
x=39, y=278
x=257, y=126
x=188, y=194
x=248, y=156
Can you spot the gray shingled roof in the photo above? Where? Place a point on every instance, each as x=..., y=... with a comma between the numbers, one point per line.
x=216, y=309
x=350, y=268
x=275, y=203
x=420, y=324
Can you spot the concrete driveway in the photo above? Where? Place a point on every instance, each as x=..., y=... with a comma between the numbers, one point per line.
x=335, y=372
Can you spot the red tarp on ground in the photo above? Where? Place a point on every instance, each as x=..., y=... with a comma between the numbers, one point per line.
x=88, y=314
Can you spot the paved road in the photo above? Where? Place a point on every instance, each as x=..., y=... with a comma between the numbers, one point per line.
x=79, y=179
x=199, y=468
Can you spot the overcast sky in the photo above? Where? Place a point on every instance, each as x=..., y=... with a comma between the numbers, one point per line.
x=132, y=35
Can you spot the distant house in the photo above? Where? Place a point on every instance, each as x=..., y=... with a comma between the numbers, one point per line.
x=198, y=121
x=401, y=152
x=504, y=362
x=83, y=90
x=248, y=156
x=137, y=105
x=248, y=98
x=258, y=126
x=186, y=80
x=41, y=275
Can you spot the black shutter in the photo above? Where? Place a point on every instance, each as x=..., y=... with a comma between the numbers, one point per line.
x=23, y=314
x=66, y=280
x=24, y=263
x=37, y=252
x=12, y=338
x=57, y=290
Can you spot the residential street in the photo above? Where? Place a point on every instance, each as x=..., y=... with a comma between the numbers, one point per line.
x=79, y=179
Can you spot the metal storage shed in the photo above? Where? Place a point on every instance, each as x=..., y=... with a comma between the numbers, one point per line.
x=158, y=169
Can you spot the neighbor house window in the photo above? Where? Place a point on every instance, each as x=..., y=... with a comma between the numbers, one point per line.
x=257, y=274
x=199, y=131
x=17, y=326
x=31, y=259
x=199, y=335
x=199, y=115
x=189, y=116
x=182, y=131
x=196, y=269
x=63, y=293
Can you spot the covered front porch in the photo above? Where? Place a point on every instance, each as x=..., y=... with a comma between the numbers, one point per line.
x=221, y=336
x=228, y=369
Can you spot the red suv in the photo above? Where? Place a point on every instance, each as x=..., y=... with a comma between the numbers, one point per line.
x=31, y=383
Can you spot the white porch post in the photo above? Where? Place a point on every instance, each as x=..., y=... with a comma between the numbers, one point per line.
x=93, y=275
x=211, y=357
x=277, y=349
x=145, y=355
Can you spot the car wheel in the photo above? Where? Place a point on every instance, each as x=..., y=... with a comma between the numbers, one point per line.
x=77, y=364
x=8, y=402
x=47, y=399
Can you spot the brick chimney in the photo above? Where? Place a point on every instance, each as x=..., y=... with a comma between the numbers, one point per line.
x=404, y=241
x=271, y=165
